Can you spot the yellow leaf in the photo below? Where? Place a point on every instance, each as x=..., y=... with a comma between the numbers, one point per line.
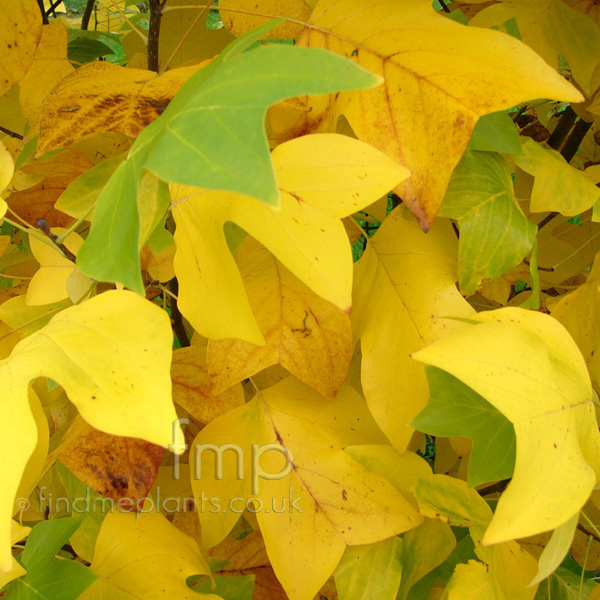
x=142, y=556
x=245, y=20
x=484, y=71
x=403, y=287
x=334, y=173
x=111, y=354
x=309, y=239
x=551, y=28
x=321, y=501
x=20, y=33
x=7, y=168
x=578, y=312
x=50, y=65
x=49, y=284
x=191, y=386
x=307, y=335
x=103, y=98
x=527, y=366
x=158, y=265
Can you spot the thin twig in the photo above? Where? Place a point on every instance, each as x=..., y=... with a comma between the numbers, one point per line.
x=443, y=5
x=547, y=220
x=52, y=8
x=13, y=134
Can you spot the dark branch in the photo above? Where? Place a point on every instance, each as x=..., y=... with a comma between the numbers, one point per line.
x=178, y=326
x=575, y=138
x=87, y=13
x=499, y=486
x=43, y=11
x=564, y=125
x=11, y=133
x=154, y=33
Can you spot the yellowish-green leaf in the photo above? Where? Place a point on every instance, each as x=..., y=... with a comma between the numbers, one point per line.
x=306, y=234
x=307, y=335
x=509, y=568
x=404, y=286
x=111, y=354
x=450, y=499
x=495, y=235
x=142, y=557
x=17, y=533
x=20, y=33
x=558, y=186
x=330, y=501
x=423, y=549
x=361, y=568
x=527, y=366
x=484, y=71
x=79, y=197
x=556, y=549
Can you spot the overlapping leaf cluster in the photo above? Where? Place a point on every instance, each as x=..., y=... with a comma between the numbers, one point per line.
x=176, y=272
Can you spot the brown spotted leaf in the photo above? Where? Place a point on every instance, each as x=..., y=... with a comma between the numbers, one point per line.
x=114, y=466
x=105, y=98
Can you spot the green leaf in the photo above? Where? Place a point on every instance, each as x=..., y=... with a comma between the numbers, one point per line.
x=455, y=410
x=211, y=135
x=564, y=585
x=494, y=233
x=229, y=588
x=495, y=132
x=48, y=578
x=89, y=506
x=85, y=50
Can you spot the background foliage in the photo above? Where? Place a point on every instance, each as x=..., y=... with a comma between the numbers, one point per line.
x=366, y=233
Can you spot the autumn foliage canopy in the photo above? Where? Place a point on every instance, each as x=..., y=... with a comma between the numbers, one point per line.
x=299, y=299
